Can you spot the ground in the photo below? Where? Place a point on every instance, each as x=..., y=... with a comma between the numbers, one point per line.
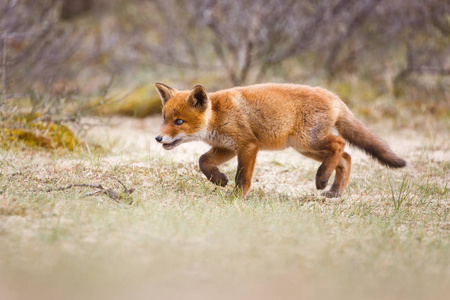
x=178, y=236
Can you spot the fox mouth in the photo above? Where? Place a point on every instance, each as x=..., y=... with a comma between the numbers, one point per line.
x=169, y=146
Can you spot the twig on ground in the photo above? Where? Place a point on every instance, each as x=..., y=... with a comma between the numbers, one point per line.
x=125, y=189
x=111, y=193
x=63, y=188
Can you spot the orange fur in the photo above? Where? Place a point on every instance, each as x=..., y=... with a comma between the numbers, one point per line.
x=243, y=120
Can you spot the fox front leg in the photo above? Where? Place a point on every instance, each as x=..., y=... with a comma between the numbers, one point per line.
x=246, y=164
x=210, y=160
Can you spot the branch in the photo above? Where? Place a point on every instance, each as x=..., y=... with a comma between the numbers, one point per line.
x=443, y=25
x=111, y=193
x=63, y=188
x=354, y=23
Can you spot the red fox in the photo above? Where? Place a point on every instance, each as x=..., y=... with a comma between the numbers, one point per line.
x=243, y=120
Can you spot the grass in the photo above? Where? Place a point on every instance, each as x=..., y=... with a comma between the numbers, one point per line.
x=388, y=237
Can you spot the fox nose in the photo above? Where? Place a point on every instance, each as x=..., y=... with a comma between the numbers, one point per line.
x=158, y=138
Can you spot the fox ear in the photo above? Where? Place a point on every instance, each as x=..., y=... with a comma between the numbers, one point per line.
x=165, y=92
x=198, y=98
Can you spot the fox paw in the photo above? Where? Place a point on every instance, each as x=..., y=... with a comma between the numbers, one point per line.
x=321, y=182
x=322, y=177
x=332, y=194
x=219, y=179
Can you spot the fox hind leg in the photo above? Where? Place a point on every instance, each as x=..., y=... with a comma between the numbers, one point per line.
x=342, y=176
x=330, y=152
x=209, y=161
x=333, y=146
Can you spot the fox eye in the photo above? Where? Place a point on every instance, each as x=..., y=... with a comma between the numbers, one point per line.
x=178, y=122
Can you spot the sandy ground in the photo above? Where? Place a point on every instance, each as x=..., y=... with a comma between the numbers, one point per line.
x=285, y=171
x=358, y=234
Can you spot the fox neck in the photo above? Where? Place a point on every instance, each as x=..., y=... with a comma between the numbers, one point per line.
x=209, y=129
x=204, y=132
x=208, y=119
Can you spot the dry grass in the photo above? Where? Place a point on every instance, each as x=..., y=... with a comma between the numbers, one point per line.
x=388, y=237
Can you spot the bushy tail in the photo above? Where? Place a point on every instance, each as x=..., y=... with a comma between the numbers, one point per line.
x=357, y=134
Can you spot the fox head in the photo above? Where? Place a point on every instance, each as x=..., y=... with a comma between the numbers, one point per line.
x=186, y=115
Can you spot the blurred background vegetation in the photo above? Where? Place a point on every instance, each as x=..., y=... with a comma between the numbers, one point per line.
x=383, y=57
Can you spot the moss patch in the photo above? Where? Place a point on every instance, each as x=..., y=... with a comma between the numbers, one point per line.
x=29, y=132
